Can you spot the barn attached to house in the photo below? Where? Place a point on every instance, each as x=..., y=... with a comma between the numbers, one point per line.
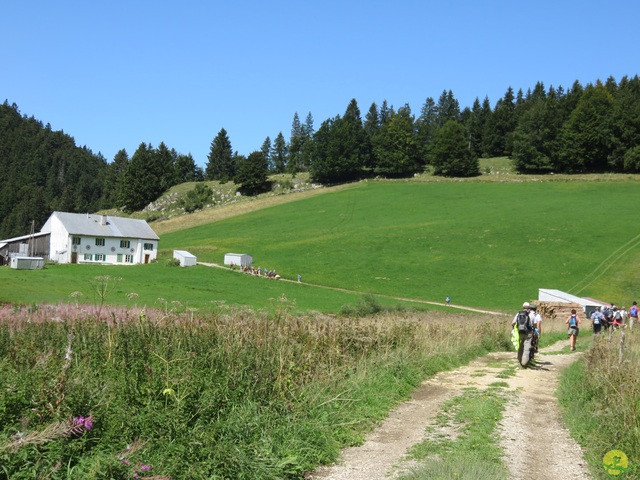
x=33, y=245
x=241, y=259
x=100, y=239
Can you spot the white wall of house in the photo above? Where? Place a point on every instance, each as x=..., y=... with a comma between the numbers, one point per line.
x=60, y=249
x=115, y=251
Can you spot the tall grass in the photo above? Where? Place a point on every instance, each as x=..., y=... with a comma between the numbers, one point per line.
x=229, y=394
x=601, y=400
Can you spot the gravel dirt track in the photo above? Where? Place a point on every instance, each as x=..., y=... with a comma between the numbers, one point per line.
x=531, y=422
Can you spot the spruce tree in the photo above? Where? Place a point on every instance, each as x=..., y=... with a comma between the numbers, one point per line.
x=220, y=165
x=265, y=149
x=280, y=153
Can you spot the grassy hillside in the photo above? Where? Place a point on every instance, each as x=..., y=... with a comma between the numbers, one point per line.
x=484, y=244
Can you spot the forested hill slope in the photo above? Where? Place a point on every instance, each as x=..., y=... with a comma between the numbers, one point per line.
x=42, y=171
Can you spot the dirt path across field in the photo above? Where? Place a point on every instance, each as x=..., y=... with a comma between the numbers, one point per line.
x=414, y=300
x=531, y=423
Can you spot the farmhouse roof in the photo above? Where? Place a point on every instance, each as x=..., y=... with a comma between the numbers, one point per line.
x=102, y=226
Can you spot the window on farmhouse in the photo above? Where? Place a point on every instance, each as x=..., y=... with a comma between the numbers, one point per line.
x=87, y=257
x=100, y=257
x=125, y=243
x=100, y=242
x=75, y=241
x=148, y=246
x=119, y=258
x=128, y=258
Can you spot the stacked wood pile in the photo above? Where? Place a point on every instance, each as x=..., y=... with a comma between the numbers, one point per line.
x=561, y=310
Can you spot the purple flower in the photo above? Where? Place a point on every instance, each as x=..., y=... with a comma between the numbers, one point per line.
x=88, y=422
x=145, y=467
x=126, y=462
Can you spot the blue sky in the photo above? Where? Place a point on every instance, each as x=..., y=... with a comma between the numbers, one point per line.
x=116, y=74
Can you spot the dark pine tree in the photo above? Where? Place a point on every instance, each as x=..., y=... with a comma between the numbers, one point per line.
x=220, y=165
x=280, y=153
x=451, y=156
x=251, y=176
x=397, y=147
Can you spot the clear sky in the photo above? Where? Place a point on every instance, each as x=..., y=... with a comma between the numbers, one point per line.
x=114, y=74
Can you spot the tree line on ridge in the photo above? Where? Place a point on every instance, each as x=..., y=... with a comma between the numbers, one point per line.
x=585, y=129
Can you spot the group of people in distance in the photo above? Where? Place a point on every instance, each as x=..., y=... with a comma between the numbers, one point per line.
x=527, y=325
x=261, y=272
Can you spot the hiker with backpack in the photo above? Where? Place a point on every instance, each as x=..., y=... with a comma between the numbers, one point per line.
x=597, y=320
x=574, y=327
x=524, y=326
x=536, y=320
x=633, y=314
x=617, y=317
x=608, y=317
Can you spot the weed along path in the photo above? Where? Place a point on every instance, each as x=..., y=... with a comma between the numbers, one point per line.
x=535, y=443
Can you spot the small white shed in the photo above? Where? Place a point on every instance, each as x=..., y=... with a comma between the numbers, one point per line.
x=242, y=259
x=185, y=258
x=27, y=263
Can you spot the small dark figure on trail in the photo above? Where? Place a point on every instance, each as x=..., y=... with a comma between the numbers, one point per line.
x=573, y=321
x=448, y=300
x=522, y=321
x=299, y=278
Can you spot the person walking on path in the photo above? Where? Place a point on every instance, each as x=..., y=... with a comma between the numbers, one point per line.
x=597, y=319
x=633, y=315
x=536, y=320
x=574, y=328
x=522, y=321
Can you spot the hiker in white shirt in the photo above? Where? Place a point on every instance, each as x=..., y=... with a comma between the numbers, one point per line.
x=536, y=319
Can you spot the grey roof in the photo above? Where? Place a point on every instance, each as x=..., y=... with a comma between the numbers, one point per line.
x=184, y=253
x=103, y=226
x=22, y=237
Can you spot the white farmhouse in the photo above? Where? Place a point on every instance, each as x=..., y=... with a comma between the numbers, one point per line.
x=100, y=239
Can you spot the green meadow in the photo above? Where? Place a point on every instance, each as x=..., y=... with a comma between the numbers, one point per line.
x=228, y=375
x=487, y=245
